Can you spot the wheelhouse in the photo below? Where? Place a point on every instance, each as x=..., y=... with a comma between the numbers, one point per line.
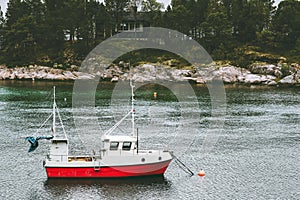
x=114, y=143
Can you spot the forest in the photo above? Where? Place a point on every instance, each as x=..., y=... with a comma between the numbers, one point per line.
x=51, y=32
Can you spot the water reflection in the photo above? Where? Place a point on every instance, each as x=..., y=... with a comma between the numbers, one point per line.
x=128, y=188
x=107, y=181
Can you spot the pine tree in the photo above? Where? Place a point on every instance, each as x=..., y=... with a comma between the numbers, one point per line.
x=286, y=25
x=1, y=18
x=1, y=36
x=216, y=30
x=18, y=37
x=152, y=9
x=249, y=17
x=116, y=9
x=151, y=6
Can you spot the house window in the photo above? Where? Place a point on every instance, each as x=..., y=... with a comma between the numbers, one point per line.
x=126, y=146
x=114, y=145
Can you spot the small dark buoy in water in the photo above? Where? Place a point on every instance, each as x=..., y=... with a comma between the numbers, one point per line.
x=155, y=95
x=201, y=173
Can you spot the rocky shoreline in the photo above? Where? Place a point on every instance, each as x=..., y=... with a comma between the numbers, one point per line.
x=259, y=73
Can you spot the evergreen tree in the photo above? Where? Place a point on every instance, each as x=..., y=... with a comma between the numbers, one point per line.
x=153, y=10
x=103, y=22
x=151, y=6
x=37, y=15
x=54, y=31
x=1, y=36
x=176, y=17
x=249, y=17
x=92, y=27
x=116, y=8
x=179, y=17
x=1, y=18
x=216, y=30
x=19, y=41
x=197, y=13
x=286, y=25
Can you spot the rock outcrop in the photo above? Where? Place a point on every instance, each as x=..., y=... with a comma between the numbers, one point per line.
x=41, y=73
x=266, y=74
x=266, y=69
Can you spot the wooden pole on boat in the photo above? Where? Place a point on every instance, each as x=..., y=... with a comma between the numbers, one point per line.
x=132, y=108
x=137, y=140
x=54, y=107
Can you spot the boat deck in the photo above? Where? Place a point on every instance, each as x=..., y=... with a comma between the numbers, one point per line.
x=80, y=158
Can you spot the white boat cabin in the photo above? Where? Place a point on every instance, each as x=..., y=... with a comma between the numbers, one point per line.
x=117, y=143
x=59, y=149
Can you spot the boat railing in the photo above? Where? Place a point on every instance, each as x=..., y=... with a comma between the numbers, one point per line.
x=103, y=152
x=57, y=158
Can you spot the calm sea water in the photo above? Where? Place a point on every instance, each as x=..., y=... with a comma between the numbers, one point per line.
x=256, y=156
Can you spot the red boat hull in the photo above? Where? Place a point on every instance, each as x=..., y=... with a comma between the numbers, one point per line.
x=108, y=172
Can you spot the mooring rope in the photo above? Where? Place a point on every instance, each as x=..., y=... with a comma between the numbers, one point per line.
x=182, y=165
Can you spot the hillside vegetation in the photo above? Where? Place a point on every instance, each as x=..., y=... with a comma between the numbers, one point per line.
x=62, y=33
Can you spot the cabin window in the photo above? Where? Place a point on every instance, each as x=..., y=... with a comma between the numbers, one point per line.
x=126, y=146
x=114, y=145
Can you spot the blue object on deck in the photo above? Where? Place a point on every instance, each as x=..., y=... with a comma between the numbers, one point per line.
x=34, y=141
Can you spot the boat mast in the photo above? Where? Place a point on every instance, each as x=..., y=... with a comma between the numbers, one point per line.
x=53, y=111
x=132, y=108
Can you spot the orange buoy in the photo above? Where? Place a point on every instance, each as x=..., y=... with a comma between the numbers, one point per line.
x=201, y=173
x=155, y=95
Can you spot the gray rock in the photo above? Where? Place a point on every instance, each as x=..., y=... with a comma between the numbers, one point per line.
x=49, y=76
x=272, y=83
x=288, y=80
x=231, y=74
x=278, y=73
x=41, y=75
x=12, y=76
x=69, y=75
x=60, y=77
x=115, y=79
x=266, y=69
x=200, y=80
x=252, y=78
x=4, y=74
x=84, y=76
x=190, y=79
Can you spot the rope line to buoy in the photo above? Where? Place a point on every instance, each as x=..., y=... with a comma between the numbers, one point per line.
x=182, y=165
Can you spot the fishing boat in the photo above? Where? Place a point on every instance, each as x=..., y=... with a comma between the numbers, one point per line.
x=119, y=156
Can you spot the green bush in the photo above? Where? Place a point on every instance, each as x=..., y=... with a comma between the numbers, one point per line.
x=285, y=69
